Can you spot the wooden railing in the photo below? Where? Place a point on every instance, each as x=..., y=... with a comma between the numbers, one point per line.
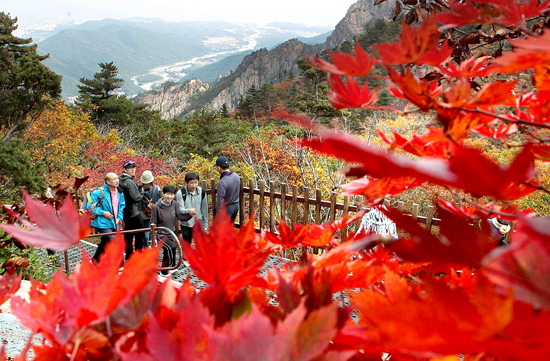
x=272, y=201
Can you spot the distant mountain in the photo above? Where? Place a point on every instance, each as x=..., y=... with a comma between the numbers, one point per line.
x=319, y=39
x=139, y=45
x=76, y=53
x=265, y=66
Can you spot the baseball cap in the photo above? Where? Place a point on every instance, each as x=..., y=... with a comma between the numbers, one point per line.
x=221, y=161
x=129, y=164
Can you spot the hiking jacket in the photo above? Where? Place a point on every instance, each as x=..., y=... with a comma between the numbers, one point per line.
x=228, y=189
x=193, y=200
x=132, y=195
x=164, y=215
x=106, y=205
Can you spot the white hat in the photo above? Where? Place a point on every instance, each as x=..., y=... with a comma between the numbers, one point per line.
x=147, y=177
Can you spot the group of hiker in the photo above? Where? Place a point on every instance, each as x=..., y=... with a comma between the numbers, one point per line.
x=122, y=202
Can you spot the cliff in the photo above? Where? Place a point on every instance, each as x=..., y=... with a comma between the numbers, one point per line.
x=172, y=99
x=359, y=15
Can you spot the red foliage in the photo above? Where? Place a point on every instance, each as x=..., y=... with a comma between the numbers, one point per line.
x=58, y=230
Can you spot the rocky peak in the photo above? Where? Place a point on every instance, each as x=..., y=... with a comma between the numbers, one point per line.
x=172, y=99
x=359, y=15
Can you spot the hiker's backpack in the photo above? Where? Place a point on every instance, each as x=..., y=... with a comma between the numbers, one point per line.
x=184, y=193
x=88, y=199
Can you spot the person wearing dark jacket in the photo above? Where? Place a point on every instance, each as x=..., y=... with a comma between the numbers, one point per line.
x=132, y=216
x=228, y=189
x=165, y=213
x=108, y=210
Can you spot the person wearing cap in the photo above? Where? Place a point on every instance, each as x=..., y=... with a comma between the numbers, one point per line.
x=151, y=195
x=228, y=188
x=132, y=216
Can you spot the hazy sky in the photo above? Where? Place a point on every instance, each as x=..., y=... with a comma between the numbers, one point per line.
x=307, y=12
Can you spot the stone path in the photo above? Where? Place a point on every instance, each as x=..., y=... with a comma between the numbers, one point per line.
x=12, y=334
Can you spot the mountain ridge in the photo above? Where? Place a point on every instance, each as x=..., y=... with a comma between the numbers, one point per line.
x=264, y=66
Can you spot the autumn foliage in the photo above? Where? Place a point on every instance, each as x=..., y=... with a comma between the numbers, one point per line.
x=423, y=296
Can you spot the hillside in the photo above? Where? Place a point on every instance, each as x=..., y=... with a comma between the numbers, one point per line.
x=76, y=53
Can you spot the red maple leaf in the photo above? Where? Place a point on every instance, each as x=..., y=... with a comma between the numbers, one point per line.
x=350, y=95
x=458, y=320
x=469, y=68
x=375, y=190
x=525, y=265
x=42, y=313
x=459, y=242
x=358, y=65
x=519, y=12
x=211, y=263
x=501, y=131
x=54, y=230
x=413, y=45
x=92, y=292
x=9, y=284
x=421, y=93
x=301, y=336
x=312, y=235
x=530, y=52
x=464, y=13
x=432, y=144
x=462, y=171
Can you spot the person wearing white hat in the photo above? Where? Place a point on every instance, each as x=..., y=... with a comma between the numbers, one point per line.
x=151, y=195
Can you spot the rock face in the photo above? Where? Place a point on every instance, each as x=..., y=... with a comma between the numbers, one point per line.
x=359, y=15
x=262, y=67
x=172, y=99
x=265, y=66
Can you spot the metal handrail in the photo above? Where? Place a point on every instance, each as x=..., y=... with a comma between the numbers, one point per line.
x=152, y=230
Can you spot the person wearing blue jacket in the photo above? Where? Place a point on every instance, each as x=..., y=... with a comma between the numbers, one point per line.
x=108, y=207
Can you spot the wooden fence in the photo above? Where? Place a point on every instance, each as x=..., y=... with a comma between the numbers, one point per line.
x=272, y=201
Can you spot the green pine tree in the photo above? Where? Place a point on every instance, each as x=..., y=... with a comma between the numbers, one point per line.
x=26, y=85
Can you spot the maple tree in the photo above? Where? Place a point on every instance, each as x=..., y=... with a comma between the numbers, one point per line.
x=422, y=296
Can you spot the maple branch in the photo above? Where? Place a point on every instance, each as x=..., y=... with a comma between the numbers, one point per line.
x=504, y=118
x=386, y=108
x=477, y=205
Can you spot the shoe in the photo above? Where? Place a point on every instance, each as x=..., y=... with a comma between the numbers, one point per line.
x=185, y=263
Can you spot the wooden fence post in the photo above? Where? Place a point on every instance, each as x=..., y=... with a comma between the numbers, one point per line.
x=272, y=206
x=415, y=212
x=401, y=206
x=241, y=203
x=213, y=186
x=250, y=199
x=429, y=217
x=261, y=204
x=345, y=214
x=294, y=204
x=318, y=196
x=332, y=212
x=283, y=202
x=306, y=206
